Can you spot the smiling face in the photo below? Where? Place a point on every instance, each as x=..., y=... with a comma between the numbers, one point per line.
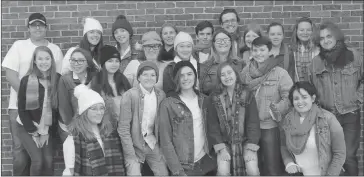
x=304, y=31
x=95, y=113
x=327, y=39
x=187, y=78
x=151, y=51
x=276, y=35
x=222, y=43
x=260, y=53
x=229, y=22
x=228, y=76
x=302, y=101
x=122, y=36
x=43, y=61
x=205, y=36
x=184, y=50
x=168, y=35
x=148, y=78
x=249, y=38
x=37, y=30
x=112, y=65
x=93, y=37
x=78, y=62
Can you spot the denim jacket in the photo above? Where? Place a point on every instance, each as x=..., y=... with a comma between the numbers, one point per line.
x=329, y=140
x=176, y=133
x=339, y=89
x=129, y=127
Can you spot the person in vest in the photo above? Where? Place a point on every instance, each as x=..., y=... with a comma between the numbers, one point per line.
x=37, y=106
x=83, y=69
x=168, y=33
x=222, y=51
x=229, y=21
x=92, y=42
x=304, y=47
x=93, y=147
x=275, y=33
x=151, y=45
x=270, y=84
x=183, y=46
x=204, y=31
x=253, y=30
x=182, y=126
x=122, y=32
x=312, y=137
x=233, y=126
x=137, y=127
x=16, y=64
x=110, y=83
x=338, y=74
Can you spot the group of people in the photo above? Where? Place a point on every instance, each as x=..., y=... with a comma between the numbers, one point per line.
x=228, y=105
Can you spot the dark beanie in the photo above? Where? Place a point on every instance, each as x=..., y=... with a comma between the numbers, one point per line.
x=121, y=22
x=148, y=64
x=107, y=52
x=182, y=64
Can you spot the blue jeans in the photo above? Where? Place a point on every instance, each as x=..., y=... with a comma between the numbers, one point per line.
x=205, y=166
x=269, y=153
x=20, y=156
x=351, y=127
x=41, y=158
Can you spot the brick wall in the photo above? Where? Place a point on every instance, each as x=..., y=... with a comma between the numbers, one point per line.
x=65, y=29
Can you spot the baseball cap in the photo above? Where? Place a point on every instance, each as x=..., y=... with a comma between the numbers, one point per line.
x=37, y=17
x=151, y=37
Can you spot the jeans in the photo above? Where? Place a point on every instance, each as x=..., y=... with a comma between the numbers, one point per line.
x=204, y=166
x=269, y=153
x=154, y=159
x=20, y=156
x=41, y=158
x=350, y=123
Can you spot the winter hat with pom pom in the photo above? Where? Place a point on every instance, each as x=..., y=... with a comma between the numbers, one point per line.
x=182, y=37
x=91, y=24
x=86, y=98
x=121, y=22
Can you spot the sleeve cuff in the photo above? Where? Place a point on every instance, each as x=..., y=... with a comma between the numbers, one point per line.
x=218, y=147
x=290, y=164
x=251, y=147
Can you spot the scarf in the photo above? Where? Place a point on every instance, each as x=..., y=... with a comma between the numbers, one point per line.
x=296, y=132
x=166, y=55
x=32, y=93
x=338, y=56
x=204, y=48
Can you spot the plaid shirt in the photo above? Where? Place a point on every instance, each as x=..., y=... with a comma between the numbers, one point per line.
x=91, y=160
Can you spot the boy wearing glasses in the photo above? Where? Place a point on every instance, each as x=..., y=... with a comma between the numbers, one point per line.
x=16, y=63
x=229, y=21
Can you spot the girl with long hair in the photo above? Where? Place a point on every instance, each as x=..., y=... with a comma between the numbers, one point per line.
x=168, y=34
x=252, y=31
x=279, y=49
x=37, y=106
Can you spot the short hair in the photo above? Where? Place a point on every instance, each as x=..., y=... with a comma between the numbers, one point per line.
x=274, y=24
x=202, y=25
x=334, y=29
x=305, y=85
x=226, y=11
x=262, y=40
x=146, y=68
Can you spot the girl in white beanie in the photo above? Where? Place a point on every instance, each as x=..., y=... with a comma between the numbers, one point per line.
x=92, y=41
x=94, y=149
x=183, y=46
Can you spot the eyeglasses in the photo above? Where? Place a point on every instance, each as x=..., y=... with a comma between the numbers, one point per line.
x=223, y=41
x=37, y=25
x=150, y=47
x=79, y=62
x=232, y=21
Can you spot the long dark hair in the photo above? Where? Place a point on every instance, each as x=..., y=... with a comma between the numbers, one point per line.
x=91, y=68
x=219, y=86
x=101, y=83
x=232, y=51
x=85, y=44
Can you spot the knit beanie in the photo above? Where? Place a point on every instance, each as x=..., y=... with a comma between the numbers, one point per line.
x=91, y=24
x=182, y=64
x=182, y=37
x=107, y=52
x=121, y=22
x=148, y=64
x=86, y=98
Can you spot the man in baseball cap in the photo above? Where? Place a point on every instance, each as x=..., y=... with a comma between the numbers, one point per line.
x=37, y=17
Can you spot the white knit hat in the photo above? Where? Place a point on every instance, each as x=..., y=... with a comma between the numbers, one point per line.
x=91, y=24
x=86, y=98
x=182, y=37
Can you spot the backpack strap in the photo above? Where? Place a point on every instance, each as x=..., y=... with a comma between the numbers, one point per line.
x=286, y=57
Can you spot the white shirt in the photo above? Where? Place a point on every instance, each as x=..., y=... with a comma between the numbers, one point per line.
x=19, y=58
x=149, y=113
x=198, y=128
x=130, y=72
x=203, y=56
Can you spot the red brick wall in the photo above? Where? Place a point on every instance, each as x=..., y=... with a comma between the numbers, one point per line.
x=65, y=28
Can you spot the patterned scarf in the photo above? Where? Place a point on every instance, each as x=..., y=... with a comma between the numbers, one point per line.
x=204, y=48
x=338, y=55
x=296, y=132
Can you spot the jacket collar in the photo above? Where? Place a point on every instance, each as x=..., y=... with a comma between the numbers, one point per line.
x=141, y=92
x=178, y=100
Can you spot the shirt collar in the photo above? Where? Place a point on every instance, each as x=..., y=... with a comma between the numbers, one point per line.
x=74, y=76
x=146, y=92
